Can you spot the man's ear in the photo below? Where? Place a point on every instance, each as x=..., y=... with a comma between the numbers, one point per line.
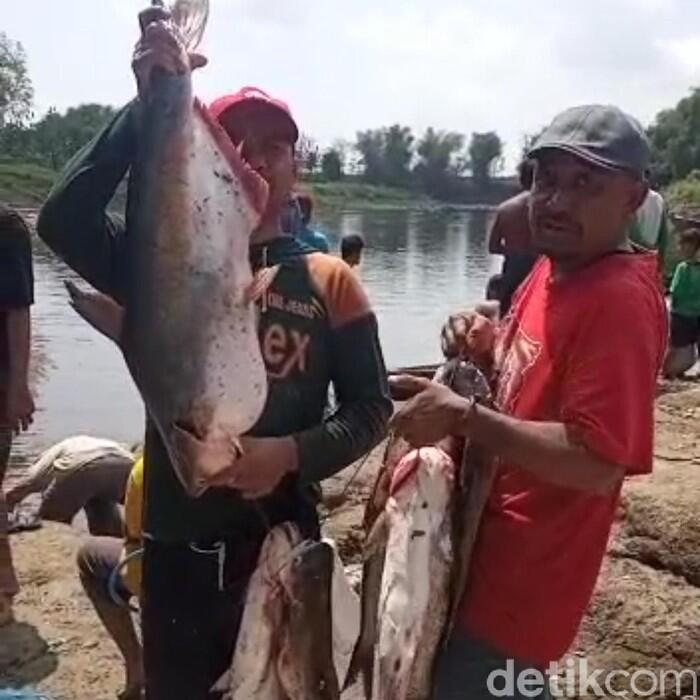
x=639, y=194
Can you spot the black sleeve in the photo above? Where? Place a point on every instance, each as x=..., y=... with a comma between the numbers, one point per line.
x=16, y=275
x=361, y=387
x=74, y=221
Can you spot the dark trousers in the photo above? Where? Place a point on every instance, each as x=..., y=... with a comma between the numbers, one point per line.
x=468, y=669
x=191, y=609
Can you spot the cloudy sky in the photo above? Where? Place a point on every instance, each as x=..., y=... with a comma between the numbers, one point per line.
x=465, y=65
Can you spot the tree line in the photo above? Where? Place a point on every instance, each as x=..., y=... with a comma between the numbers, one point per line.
x=436, y=162
x=433, y=163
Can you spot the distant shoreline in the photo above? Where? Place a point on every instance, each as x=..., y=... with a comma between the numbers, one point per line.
x=25, y=186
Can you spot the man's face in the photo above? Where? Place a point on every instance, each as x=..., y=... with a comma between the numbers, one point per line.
x=269, y=150
x=273, y=158
x=579, y=211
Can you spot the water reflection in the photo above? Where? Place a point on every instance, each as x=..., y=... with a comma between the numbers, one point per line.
x=417, y=269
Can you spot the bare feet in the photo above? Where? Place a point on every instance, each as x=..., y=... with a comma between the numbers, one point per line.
x=135, y=680
x=132, y=693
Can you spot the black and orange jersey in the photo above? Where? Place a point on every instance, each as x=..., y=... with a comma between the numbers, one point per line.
x=316, y=329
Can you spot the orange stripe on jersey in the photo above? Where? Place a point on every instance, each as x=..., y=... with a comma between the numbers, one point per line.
x=339, y=288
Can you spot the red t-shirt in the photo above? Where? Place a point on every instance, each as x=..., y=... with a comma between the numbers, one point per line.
x=585, y=351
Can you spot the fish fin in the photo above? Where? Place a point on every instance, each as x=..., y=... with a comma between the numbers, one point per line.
x=99, y=310
x=186, y=448
x=254, y=185
x=262, y=280
x=354, y=669
x=190, y=17
x=223, y=684
x=362, y=660
x=361, y=663
x=377, y=536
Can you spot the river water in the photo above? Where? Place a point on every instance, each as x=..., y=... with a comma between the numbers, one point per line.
x=417, y=268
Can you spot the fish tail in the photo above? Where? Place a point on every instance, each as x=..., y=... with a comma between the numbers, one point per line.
x=190, y=17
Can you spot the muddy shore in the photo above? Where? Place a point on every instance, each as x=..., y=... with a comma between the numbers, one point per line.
x=645, y=614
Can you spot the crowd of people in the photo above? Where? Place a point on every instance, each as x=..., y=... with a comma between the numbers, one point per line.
x=574, y=334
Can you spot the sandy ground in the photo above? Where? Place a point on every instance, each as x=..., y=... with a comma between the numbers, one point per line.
x=646, y=612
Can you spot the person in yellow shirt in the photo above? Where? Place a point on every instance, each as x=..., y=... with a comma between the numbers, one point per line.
x=110, y=573
x=110, y=567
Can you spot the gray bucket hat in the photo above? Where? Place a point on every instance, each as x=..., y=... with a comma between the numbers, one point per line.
x=600, y=134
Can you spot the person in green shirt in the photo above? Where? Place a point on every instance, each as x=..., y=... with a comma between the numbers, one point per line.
x=685, y=308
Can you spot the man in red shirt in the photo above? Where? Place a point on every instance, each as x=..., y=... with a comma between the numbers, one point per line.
x=575, y=374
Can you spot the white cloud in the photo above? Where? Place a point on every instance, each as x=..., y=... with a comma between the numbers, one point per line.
x=685, y=52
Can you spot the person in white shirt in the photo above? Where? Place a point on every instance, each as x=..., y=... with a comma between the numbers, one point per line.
x=649, y=229
x=79, y=473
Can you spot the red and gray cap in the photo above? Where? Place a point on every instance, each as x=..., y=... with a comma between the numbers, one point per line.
x=600, y=134
x=234, y=111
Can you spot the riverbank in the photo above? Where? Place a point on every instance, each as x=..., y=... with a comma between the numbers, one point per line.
x=25, y=185
x=646, y=612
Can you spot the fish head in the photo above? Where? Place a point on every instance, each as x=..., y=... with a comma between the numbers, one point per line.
x=426, y=464
x=467, y=380
x=313, y=562
x=310, y=622
x=199, y=461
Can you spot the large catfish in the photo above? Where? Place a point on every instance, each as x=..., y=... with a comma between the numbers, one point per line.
x=421, y=524
x=285, y=646
x=190, y=327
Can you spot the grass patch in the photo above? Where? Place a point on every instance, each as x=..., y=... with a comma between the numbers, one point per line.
x=359, y=194
x=684, y=194
x=24, y=184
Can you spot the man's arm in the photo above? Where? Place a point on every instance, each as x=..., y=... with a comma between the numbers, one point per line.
x=547, y=450
x=605, y=427
x=19, y=397
x=357, y=371
x=16, y=296
x=74, y=221
x=544, y=449
x=496, y=243
x=361, y=388
x=359, y=378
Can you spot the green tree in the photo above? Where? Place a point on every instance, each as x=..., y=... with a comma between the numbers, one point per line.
x=16, y=91
x=49, y=144
x=398, y=153
x=332, y=165
x=675, y=140
x=17, y=141
x=485, y=150
x=438, y=161
x=58, y=136
x=370, y=146
x=386, y=154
